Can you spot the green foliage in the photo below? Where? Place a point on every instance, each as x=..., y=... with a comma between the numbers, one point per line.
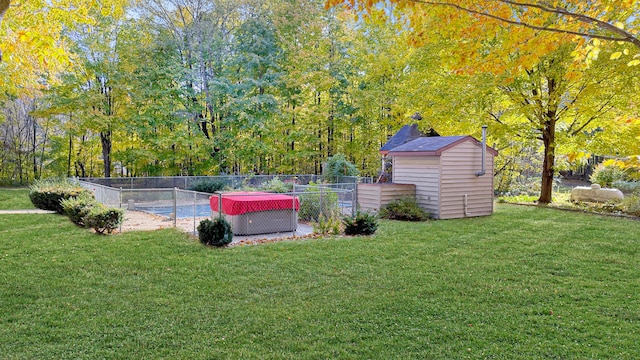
x=215, y=233
x=103, y=219
x=276, y=185
x=606, y=174
x=626, y=187
x=327, y=226
x=406, y=209
x=337, y=166
x=77, y=208
x=208, y=185
x=48, y=194
x=631, y=204
x=361, y=224
x=316, y=202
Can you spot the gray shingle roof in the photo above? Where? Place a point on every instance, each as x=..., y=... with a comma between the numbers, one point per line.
x=403, y=136
x=428, y=144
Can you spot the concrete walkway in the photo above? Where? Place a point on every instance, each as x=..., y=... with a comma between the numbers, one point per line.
x=27, y=211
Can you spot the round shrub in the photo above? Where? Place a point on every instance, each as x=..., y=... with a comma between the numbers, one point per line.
x=77, y=208
x=405, y=208
x=48, y=194
x=361, y=224
x=215, y=233
x=277, y=186
x=337, y=166
x=103, y=219
x=606, y=175
x=208, y=186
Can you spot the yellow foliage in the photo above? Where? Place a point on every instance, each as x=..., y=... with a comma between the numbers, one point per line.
x=32, y=40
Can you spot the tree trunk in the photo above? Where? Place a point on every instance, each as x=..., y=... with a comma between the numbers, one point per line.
x=548, y=165
x=69, y=155
x=105, y=138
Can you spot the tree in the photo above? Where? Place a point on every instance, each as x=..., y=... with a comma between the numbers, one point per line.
x=518, y=41
x=609, y=20
x=32, y=40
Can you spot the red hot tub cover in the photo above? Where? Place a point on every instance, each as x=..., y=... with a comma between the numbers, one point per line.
x=244, y=202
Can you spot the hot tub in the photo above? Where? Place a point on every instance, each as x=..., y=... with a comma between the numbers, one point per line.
x=251, y=213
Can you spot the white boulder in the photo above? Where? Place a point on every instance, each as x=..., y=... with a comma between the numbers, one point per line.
x=595, y=193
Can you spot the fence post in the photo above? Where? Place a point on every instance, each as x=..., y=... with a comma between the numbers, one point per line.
x=220, y=205
x=321, y=212
x=121, y=208
x=294, y=225
x=354, y=205
x=194, y=211
x=175, y=207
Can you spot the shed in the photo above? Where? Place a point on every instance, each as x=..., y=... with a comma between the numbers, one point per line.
x=446, y=173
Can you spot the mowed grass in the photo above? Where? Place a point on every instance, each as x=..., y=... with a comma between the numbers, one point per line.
x=15, y=199
x=525, y=283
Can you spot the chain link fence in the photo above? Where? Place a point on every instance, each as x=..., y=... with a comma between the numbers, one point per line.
x=231, y=182
x=250, y=213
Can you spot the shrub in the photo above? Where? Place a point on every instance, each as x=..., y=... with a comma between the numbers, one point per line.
x=631, y=205
x=48, y=194
x=276, y=185
x=361, y=224
x=208, y=185
x=405, y=208
x=316, y=201
x=627, y=187
x=215, y=233
x=337, y=166
x=326, y=226
x=606, y=174
x=103, y=219
x=77, y=208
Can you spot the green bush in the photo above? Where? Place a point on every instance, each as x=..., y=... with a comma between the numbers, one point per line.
x=626, y=187
x=606, y=175
x=215, y=233
x=208, y=185
x=48, y=194
x=405, y=208
x=277, y=186
x=337, y=166
x=315, y=201
x=631, y=205
x=103, y=219
x=361, y=224
x=324, y=226
x=77, y=208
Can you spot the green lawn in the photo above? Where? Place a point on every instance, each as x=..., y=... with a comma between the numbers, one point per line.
x=15, y=199
x=525, y=283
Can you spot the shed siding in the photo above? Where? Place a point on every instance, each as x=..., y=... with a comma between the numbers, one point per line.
x=424, y=172
x=372, y=197
x=460, y=163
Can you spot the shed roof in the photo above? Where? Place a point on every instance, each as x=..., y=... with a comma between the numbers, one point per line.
x=403, y=136
x=433, y=146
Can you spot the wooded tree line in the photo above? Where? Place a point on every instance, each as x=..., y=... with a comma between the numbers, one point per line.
x=192, y=87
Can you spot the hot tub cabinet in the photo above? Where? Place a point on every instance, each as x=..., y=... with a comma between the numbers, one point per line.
x=373, y=197
x=252, y=213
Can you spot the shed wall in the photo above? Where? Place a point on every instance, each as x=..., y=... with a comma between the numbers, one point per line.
x=424, y=172
x=459, y=166
x=372, y=197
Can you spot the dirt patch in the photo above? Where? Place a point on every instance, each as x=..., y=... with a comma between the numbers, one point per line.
x=142, y=221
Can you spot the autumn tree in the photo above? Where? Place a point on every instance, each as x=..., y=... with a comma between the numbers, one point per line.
x=513, y=40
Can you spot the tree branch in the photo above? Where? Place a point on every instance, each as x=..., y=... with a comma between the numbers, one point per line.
x=625, y=36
